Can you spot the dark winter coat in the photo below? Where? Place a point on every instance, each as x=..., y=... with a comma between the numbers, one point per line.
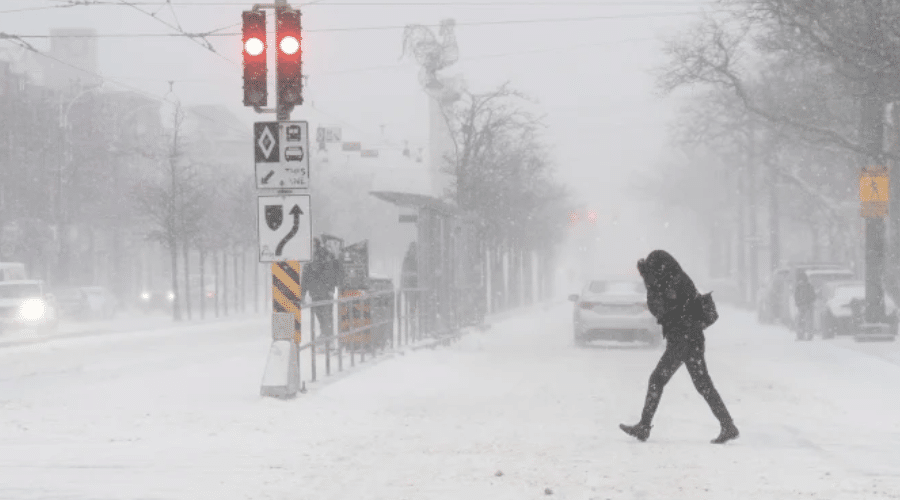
x=321, y=276
x=409, y=273
x=671, y=297
x=804, y=293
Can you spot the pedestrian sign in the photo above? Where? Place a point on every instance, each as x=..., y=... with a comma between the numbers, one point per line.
x=281, y=153
x=874, y=192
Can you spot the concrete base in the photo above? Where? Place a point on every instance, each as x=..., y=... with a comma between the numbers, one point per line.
x=874, y=332
x=282, y=376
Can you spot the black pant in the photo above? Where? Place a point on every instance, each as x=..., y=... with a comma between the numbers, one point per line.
x=691, y=353
x=324, y=317
x=804, y=323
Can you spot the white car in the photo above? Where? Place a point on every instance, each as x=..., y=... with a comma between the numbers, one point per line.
x=23, y=305
x=614, y=309
x=833, y=314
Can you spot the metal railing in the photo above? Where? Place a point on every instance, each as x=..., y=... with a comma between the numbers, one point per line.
x=368, y=323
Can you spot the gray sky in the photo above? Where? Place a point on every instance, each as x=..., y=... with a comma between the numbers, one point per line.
x=589, y=75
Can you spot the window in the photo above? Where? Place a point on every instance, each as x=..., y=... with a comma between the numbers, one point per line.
x=19, y=291
x=617, y=287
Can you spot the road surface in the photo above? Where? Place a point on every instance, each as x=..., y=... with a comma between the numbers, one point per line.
x=515, y=412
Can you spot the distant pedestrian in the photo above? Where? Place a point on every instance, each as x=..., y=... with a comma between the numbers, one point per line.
x=674, y=300
x=805, y=298
x=409, y=279
x=320, y=278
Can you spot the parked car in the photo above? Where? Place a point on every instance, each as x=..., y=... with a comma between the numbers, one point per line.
x=614, y=309
x=86, y=302
x=24, y=304
x=817, y=278
x=834, y=313
x=776, y=297
x=12, y=271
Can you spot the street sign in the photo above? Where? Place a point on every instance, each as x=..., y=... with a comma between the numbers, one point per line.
x=281, y=151
x=328, y=134
x=874, y=192
x=285, y=228
x=351, y=146
x=369, y=153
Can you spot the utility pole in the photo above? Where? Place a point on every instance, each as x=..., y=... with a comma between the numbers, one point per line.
x=872, y=133
x=173, y=218
x=753, y=243
x=741, y=238
x=774, y=216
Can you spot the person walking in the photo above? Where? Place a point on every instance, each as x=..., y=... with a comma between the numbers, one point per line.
x=320, y=278
x=674, y=300
x=805, y=298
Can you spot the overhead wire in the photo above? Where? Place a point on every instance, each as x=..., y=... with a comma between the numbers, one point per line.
x=194, y=37
x=203, y=35
x=24, y=44
x=331, y=3
x=180, y=32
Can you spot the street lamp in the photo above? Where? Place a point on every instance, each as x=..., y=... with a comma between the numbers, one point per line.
x=62, y=258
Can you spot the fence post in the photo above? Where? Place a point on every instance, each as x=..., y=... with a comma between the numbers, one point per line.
x=336, y=332
x=312, y=346
x=328, y=341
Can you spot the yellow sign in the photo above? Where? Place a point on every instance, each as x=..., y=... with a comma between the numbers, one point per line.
x=873, y=186
x=874, y=192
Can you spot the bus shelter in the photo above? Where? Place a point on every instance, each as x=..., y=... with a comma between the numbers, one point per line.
x=448, y=260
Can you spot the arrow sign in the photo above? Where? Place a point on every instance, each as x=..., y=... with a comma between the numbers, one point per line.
x=296, y=212
x=284, y=228
x=265, y=180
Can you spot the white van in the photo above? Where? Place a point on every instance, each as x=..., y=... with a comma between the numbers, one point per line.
x=12, y=271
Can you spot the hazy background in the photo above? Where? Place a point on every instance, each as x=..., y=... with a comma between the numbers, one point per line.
x=587, y=64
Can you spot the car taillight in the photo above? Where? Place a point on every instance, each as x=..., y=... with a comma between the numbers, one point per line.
x=586, y=305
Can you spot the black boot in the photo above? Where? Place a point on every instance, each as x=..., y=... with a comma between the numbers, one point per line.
x=729, y=432
x=640, y=430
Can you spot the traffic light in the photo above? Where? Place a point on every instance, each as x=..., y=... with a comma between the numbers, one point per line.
x=254, y=31
x=290, y=77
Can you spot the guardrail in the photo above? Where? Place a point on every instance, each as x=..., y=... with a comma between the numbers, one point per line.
x=362, y=325
x=365, y=324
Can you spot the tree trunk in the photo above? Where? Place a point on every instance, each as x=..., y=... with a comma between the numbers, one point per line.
x=224, y=282
x=243, y=279
x=202, y=259
x=774, y=219
x=173, y=254
x=218, y=295
x=237, y=283
x=894, y=208
x=741, y=239
x=753, y=247
x=186, y=252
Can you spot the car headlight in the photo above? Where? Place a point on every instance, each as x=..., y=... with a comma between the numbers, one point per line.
x=171, y=296
x=32, y=310
x=145, y=296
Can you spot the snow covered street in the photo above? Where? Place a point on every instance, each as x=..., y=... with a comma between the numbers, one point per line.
x=514, y=412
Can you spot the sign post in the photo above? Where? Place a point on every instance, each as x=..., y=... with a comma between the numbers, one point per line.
x=281, y=153
x=874, y=196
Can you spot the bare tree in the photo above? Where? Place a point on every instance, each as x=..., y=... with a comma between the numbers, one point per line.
x=171, y=201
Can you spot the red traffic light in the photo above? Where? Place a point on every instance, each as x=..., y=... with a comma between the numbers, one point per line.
x=288, y=36
x=254, y=52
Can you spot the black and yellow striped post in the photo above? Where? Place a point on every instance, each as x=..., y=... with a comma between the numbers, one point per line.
x=286, y=291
